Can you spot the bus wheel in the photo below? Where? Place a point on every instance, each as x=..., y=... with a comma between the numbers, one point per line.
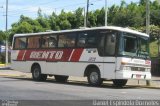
x=60, y=78
x=119, y=82
x=36, y=74
x=94, y=78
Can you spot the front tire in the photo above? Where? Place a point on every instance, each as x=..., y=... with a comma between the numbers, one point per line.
x=119, y=82
x=60, y=78
x=36, y=74
x=94, y=78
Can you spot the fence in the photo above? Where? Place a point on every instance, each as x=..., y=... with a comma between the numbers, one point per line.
x=155, y=66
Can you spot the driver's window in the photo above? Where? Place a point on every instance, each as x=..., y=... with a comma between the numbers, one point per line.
x=130, y=44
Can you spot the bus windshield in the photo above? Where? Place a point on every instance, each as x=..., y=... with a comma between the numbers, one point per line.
x=134, y=46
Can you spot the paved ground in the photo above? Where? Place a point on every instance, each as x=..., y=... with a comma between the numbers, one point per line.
x=26, y=89
x=5, y=72
x=18, y=88
x=45, y=93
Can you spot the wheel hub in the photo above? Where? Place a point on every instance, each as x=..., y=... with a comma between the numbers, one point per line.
x=94, y=77
x=36, y=73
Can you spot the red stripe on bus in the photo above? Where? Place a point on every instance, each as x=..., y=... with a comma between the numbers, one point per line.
x=51, y=56
x=76, y=55
x=20, y=54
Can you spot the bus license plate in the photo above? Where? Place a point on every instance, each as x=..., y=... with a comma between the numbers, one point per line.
x=138, y=76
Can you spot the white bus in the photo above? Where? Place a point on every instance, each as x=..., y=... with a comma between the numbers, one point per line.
x=100, y=53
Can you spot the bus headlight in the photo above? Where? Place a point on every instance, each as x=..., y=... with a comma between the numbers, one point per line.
x=128, y=68
x=125, y=68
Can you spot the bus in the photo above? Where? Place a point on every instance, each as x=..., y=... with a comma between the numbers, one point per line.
x=99, y=53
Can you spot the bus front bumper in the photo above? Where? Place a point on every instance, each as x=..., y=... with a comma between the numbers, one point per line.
x=133, y=75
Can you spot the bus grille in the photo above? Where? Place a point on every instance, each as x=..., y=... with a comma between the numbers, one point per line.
x=137, y=69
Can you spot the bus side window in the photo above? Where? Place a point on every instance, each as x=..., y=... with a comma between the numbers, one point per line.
x=52, y=41
x=34, y=42
x=92, y=40
x=101, y=45
x=44, y=42
x=20, y=43
x=67, y=40
x=82, y=39
x=110, y=44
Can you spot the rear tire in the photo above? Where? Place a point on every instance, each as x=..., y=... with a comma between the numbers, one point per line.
x=60, y=78
x=36, y=74
x=94, y=78
x=119, y=82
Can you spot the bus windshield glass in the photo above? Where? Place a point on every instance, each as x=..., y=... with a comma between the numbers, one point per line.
x=134, y=46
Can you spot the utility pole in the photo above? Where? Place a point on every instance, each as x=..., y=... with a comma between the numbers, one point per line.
x=147, y=26
x=147, y=16
x=85, y=22
x=106, y=10
x=87, y=13
x=6, y=60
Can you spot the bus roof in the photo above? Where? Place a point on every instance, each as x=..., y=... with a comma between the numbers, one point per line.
x=83, y=29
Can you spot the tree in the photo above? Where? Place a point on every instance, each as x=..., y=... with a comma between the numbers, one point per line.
x=53, y=22
x=92, y=19
x=24, y=27
x=79, y=18
x=43, y=21
x=63, y=22
x=2, y=36
x=155, y=13
x=71, y=17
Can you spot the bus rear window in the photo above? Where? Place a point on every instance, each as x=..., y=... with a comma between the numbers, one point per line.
x=20, y=43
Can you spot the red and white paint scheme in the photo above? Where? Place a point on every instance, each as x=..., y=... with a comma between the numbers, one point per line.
x=110, y=56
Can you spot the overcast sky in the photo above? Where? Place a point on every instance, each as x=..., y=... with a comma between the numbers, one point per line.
x=30, y=7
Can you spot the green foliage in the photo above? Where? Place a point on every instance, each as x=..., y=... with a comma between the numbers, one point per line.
x=63, y=22
x=154, y=48
x=24, y=27
x=2, y=36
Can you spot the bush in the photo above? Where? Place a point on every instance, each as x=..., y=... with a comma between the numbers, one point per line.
x=2, y=57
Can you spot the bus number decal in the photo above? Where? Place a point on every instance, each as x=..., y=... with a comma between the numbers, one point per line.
x=92, y=59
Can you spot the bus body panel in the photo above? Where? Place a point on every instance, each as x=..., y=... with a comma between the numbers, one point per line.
x=72, y=69
x=22, y=66
x=109, y=67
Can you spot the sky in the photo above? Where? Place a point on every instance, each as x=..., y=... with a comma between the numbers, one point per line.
x=30, y=7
